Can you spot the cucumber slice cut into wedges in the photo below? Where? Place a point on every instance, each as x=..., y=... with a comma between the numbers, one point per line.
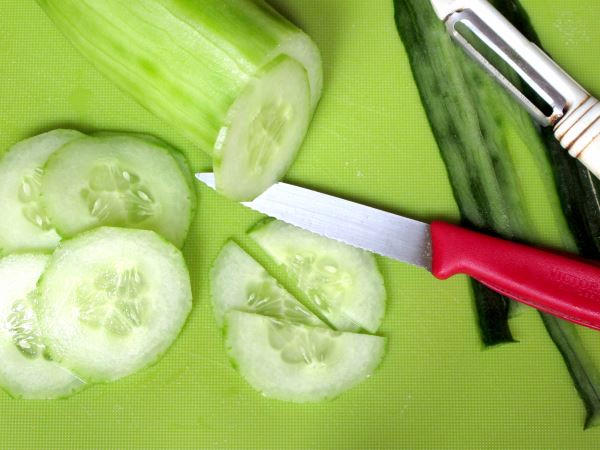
x=112, y=301
x=296, y=362
x=239, y=282
x=24, y=225
x=342, y=282
x=120, y=181
x=263, y=131
x=25, y=372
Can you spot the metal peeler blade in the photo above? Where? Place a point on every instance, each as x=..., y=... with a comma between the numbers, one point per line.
x=572, y=111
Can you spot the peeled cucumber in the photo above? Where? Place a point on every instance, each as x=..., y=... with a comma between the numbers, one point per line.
x=234, y=76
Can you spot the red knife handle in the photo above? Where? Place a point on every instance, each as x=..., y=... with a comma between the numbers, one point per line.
x=566, y=287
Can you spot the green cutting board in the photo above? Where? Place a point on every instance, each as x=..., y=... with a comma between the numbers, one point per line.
x=370, y=141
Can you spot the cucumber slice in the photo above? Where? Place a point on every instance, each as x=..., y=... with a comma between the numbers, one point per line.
x=24, y=225
x=239, y=282
x=180, y=158
x=24, y=370
x=120, y=181
x=263, y=131
x=296, y=362
x=341, y=282
x=112, y=301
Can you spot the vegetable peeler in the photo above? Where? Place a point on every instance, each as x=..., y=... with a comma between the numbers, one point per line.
x=572, y=111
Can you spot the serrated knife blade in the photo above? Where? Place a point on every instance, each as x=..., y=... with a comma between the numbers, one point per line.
x=352, y=223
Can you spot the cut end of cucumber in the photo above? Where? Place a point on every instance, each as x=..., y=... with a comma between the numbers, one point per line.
x=264, y=131
x=302, y=48
x=238, y=282
x=299, y=363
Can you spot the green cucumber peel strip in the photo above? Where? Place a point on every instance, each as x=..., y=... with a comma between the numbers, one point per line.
x=579, y=364
x=454, y=88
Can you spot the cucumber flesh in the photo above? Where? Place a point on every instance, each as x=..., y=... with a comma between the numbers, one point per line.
x=263, y=131
x=24, y=225
x=342, y=283
x=301, y=48
x=178, y=156
x=296, y=362
x=25, y=372
x=238, y=282
x=120, y=181
x=112, y=301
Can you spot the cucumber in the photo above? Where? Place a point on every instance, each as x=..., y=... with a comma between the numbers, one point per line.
x=239, y=282
x=342, y=283
x=232, y=75
x=24, y=225
x=120, y=181
x=296, y=362
x=25, y=372
x=112, y=301
x=263, y=131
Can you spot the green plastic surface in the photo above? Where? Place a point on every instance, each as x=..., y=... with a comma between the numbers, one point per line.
x=370, y=142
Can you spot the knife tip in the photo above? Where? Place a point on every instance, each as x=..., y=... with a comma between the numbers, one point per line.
x=207, y=178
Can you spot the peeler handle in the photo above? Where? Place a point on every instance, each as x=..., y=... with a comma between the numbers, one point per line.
x=579, y=133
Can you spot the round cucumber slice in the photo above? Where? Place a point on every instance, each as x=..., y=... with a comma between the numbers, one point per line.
x=25, y=372
x=296, y=362
x=342, y=282
x=239, y=282
x=24, y=225
x=179, y=157
x=112, y=301
x=263, y=131
x=120, y=181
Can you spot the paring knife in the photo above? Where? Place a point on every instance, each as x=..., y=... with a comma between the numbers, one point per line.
x=575, y=113
x=560, y=285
